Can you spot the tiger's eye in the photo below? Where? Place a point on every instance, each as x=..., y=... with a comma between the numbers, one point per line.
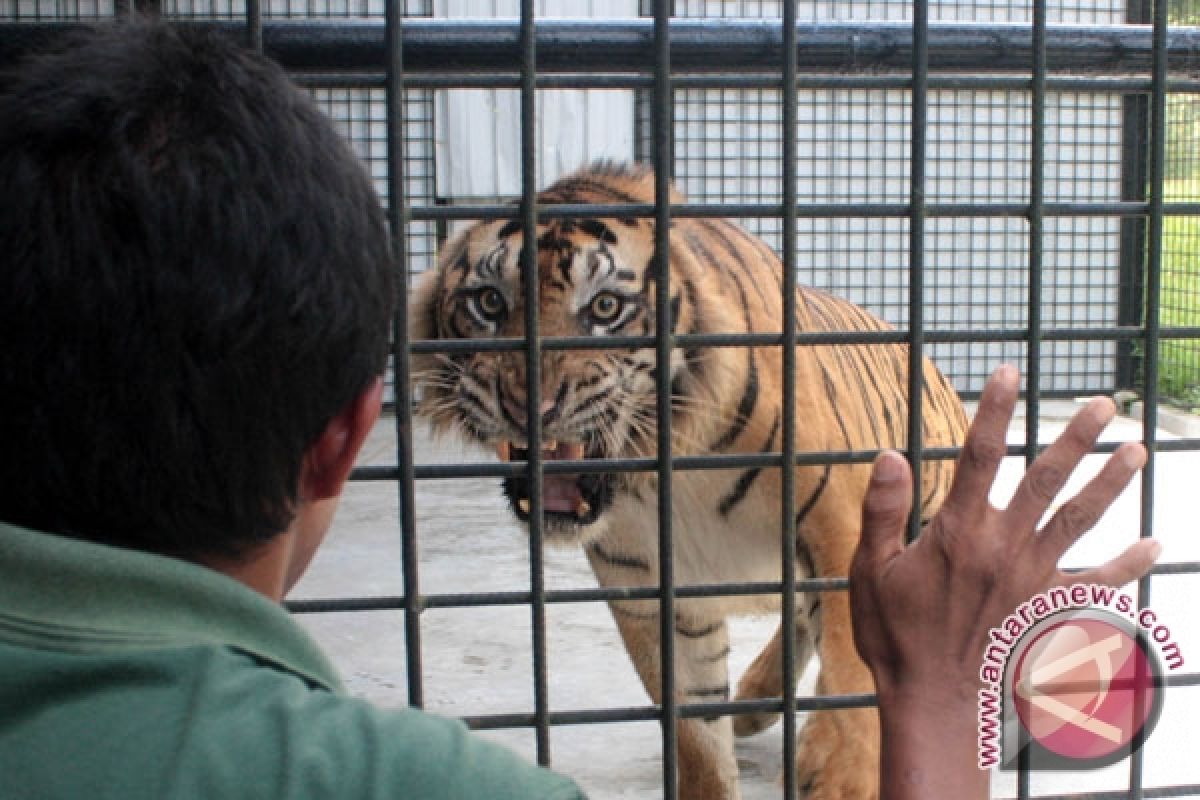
x=605, y=306
x=490, y=302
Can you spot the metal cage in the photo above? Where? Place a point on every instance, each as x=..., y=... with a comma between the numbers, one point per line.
x=374, y=65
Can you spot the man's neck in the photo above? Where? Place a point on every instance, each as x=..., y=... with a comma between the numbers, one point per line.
x=263, y=569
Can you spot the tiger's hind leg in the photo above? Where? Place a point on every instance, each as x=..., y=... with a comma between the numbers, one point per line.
x=764, y=677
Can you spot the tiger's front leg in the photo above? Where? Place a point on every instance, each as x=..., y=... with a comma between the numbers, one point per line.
x=838, y=751
x=707, y=767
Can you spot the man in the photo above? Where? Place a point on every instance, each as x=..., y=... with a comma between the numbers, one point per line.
x=195, y=302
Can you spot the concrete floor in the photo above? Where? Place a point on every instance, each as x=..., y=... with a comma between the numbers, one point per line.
x=477, y=660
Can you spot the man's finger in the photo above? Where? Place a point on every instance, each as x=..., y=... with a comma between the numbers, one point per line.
x=1135, y=562
x=1049, y=473
x=986, y=442
x=885, y=510
x=1080, y=515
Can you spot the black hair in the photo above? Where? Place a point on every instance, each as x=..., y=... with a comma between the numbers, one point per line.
x=195, y=278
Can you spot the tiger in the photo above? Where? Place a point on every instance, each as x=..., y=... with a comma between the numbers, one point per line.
x=597, y=277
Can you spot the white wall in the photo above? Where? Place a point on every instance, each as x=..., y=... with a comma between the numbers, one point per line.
x=478, y=144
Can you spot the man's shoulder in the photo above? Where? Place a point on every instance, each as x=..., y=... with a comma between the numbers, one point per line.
x=216, y=722
x=347, y=747
x=316, y=743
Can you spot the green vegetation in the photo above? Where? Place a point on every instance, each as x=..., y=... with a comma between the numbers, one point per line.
x=1179, y=359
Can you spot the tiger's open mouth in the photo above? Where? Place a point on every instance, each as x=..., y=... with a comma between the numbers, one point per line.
x=567, y=500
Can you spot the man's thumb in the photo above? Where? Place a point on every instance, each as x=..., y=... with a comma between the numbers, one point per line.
x=885, y=508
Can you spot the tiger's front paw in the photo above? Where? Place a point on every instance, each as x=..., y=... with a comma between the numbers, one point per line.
x=838, y=761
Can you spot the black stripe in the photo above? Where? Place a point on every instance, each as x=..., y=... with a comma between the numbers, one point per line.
x=745, y=405
x=595, y=227
x=713, y=691
x=746, y=479
x=461, y=264
x=588, y=383
x=624, y=612
x=720, y=655
x=812, y=500
x=697, y=633
x=831, y=394
x=510, y=227
x=692, y=356
x=928, y=499
x=844, y=354
x=573, y=189
x=804, y=556
x=618, y=559
x=714, y=228
x=492, y=262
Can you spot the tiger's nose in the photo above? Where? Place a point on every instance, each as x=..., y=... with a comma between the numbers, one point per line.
x=516, y=410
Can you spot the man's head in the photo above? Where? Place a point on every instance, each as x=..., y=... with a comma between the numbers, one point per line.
x=195, y=280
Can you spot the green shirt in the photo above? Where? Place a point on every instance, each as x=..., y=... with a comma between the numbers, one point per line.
x=129, y=675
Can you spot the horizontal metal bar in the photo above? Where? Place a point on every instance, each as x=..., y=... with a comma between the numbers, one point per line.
x=1098, y=84
x=700, y=46
x=651, y=712
x=589, y=595
x=638, y=713
x=694, y=340
x=508, y=469
x=485, y=211
x=1149, y=792
x=606, y=594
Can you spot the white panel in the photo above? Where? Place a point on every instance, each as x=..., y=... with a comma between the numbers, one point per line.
x=478, y=141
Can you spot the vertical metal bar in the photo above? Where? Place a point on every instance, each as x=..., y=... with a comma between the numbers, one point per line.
x=254, y=36
x=788, y=506
x=401, y=360
x=1158, y=150
x=1033, y=360
x=1135, y=127
x=533, y=372
x=916, y=253
x=663, y=128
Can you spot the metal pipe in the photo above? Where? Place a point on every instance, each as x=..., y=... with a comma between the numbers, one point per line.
x=697, y=46
x=663, y=129
x=401, y=357
x=787, y=511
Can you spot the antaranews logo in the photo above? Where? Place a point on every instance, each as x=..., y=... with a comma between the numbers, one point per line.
x=1073, y=678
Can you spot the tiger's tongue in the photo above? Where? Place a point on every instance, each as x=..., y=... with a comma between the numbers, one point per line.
x=561, y=492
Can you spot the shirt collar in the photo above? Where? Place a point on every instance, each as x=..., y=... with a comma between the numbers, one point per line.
x=68, y=594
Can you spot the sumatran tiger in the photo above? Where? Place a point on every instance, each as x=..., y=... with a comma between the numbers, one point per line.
x=597, y=278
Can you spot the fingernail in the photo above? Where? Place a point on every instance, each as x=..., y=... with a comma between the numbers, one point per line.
x=1132, y=457
x=1007, y=373
x=1155, y=549
x=889, y=467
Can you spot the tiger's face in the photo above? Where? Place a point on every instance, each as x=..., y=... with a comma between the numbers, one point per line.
x=593, y=281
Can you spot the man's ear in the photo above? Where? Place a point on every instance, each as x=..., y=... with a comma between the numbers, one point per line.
x=329, y=459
